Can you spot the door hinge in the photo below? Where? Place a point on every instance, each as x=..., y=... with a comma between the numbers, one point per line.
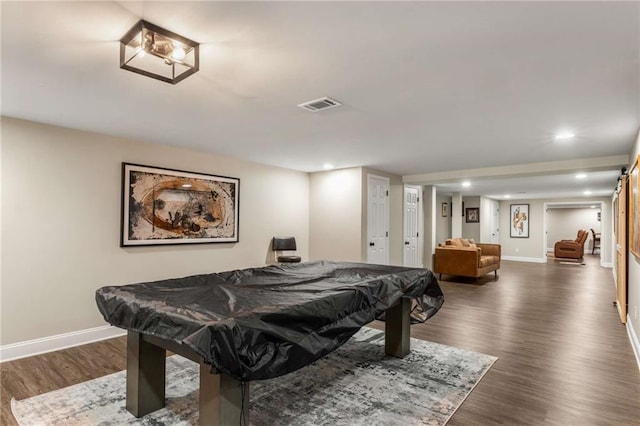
x=418, y=199
x=417, y=234
x=387, y=233
x=387, y=193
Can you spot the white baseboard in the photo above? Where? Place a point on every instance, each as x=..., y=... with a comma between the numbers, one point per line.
x=633, y=338
x=526, y=259
x=607, y=265
x=57, y=342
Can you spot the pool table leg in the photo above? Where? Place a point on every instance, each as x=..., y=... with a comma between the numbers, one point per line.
x=145, y=375
x=397, y=330
x=223, y=399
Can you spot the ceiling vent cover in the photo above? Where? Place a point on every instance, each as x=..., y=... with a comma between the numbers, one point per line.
x=320, y=104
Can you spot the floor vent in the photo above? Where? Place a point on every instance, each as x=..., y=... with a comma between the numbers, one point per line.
x=320, y=104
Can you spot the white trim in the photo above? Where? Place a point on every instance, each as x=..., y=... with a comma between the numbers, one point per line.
x=525, y=259
x=633, y=338
x=57, y=342
x=607, y=265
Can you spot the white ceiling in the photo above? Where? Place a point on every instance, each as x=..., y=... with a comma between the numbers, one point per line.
x=426, y=86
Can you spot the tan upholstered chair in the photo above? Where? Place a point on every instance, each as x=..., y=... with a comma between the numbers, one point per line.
x=571, y=249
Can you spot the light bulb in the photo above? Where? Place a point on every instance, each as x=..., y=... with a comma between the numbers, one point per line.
x=564, y=135
x=178, y=53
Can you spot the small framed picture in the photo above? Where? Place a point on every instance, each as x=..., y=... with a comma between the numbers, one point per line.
x=472, y=215
x=445, y=209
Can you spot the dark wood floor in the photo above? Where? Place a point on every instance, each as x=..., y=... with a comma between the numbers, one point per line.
x=564, y=357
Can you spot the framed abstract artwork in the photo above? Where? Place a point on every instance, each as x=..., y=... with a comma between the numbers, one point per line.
x=634, y=209
x=163, y=206
x=519, y=221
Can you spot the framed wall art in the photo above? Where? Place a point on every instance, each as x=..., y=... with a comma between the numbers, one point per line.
x=164, y=206
x=445, y=209
x=472, y=215
x=634, y=213
x=519, y=221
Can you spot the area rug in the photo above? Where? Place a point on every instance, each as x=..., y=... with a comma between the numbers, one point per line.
x=355, y=385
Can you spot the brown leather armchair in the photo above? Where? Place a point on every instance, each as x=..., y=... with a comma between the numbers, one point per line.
x=571, y=249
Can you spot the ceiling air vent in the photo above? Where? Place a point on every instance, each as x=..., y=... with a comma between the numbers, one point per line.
x=320, y=104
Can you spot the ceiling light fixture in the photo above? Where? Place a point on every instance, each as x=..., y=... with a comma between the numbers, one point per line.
x=587, y=192
x=328, y=166
x=507, y=196
x=466, y=184
x=581, y=176
x=158, y=53
x=564, y=136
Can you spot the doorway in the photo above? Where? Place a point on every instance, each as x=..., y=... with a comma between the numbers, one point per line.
x=495, y=220
x=377, y=219
x=410, y=248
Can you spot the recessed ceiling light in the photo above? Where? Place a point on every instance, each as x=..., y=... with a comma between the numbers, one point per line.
x=564, y=136
x=587, y=192
x=581, y=176
x=466, y=184
x=507, y=196
x=593, y=207
x=327, y=166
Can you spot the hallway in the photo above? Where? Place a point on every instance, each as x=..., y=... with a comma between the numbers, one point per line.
x=564, y=356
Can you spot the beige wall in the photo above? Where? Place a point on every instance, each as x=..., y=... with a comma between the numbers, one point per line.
x=335, y=215
x=563, y=224
x=61, y=192
x=533, y=248
x=443, y=224
x=338, y=215
x=471, y=230
x=634, y=268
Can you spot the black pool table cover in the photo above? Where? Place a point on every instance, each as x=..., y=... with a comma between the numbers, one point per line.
x=260, y=323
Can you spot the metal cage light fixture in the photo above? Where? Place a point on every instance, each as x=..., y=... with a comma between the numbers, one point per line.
x=158, y=53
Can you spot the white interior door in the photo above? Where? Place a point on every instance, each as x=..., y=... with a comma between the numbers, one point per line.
x=378, y=219
x=411, y=199
x=495, y=220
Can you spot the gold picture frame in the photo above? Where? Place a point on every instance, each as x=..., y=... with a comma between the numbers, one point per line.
x=634, y=210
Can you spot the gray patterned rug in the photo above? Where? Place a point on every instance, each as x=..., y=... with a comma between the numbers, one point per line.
x=355, y=385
